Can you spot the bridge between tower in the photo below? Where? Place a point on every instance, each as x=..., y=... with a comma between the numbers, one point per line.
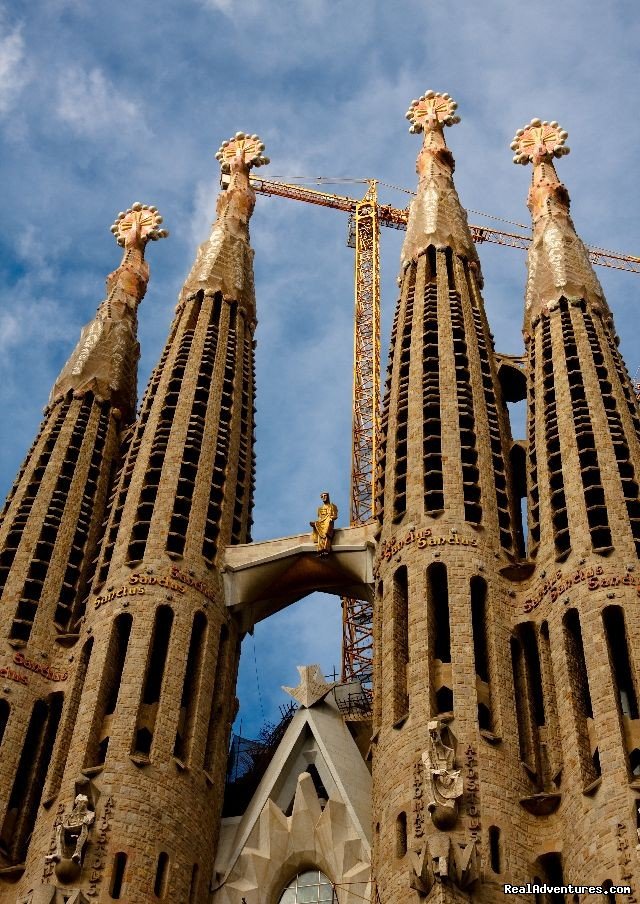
x=263, y=578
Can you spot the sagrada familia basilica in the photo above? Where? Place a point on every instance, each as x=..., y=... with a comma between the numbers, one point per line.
x=502, y=753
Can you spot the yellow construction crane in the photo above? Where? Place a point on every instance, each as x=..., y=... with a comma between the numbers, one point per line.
x=366, y=216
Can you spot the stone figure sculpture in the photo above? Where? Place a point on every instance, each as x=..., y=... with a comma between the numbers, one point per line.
x=73, y=831
x=322, y=528
x=443, y=783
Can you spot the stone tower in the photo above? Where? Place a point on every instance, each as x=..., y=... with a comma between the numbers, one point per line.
x=576, y=639
x=159, y=651
x=449, y=539
x=50, y=531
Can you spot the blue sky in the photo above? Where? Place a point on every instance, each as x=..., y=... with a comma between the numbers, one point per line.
x=105, y=104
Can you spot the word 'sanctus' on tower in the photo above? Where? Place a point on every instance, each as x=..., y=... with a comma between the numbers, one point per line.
x=449, y=535
x=157, y=695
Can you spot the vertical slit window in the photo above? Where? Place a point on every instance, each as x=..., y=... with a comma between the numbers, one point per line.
x=533, y=507
x=152, y=687
x=117, y=875
x=243, y=476
x=22, y=808
x=439, y=629
x=108, y=694
x=580, y=697
x=494, y=848
x=481, y=651
x=161, y=882
x=400, y=602
x=190, y=689
x=401, y=835
x=193, y=886
x=5, y=709
x=523, y=715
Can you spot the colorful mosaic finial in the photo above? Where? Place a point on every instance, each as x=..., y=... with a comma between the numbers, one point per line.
x=137, y=225
x=539, y=140
x=248, y=147
x=432, y=110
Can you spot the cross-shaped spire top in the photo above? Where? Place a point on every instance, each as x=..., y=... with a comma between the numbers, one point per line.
x=431, y=111
x=539, y=140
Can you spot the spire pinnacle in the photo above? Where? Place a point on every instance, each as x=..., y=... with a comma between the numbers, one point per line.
x=432, y=111
x=243, y=151
x=436, y=217
x=105, y=358
x=224, y=261
x=558, y=262
x=134, y=227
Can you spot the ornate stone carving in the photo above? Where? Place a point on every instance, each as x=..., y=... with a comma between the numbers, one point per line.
x=443, y=783
x=437, y=217
x=323, y=527
x=558, y=263
x=312, y=687
x=442, y=861
x=72, y=834
x=105, y=358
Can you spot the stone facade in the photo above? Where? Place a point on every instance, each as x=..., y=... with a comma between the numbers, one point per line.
x=505, y=745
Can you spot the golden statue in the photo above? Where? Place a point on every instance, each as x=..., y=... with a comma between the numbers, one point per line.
x=323, y=528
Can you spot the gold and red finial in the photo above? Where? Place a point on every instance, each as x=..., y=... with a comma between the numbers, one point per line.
x=246, y=148
x=432, y=110
x=539, y=140
x=137, y=225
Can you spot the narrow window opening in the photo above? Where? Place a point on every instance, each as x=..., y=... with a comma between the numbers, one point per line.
x=401, y=835
x=438, y=598
x=190, y=689
x=580, y=696
x=620, y=662
x=193, y=887
x=108, y=693
x=401, y=643
x=117, y=875
x=162, y=876
x=156, y=662
x=5, y=709
x=481, y=651
x=494, y=848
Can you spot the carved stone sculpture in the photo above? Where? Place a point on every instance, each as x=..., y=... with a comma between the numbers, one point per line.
x=443, y=783
x=71, y=838
x=323, y=529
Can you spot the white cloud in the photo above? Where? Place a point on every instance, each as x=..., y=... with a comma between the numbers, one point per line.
x=90, y=104
x=13, y=74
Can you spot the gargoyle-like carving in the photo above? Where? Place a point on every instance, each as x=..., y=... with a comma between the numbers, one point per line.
x=443, y=783
x=442, y=861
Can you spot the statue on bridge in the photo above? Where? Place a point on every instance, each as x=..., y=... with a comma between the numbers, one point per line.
x=323, y=528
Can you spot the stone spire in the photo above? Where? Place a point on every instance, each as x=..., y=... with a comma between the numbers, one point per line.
x=436, y=216
x=224, y=262
x=558, y=262
x=105, y=359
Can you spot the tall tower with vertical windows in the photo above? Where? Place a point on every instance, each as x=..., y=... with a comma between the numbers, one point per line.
x=576, y=640
x=154, y=686
x=449, y=538
x=50, y=531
